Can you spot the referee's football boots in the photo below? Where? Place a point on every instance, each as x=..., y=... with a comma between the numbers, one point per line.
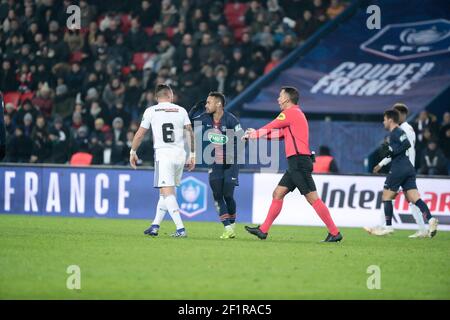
x=257, y=232
x=331, y=238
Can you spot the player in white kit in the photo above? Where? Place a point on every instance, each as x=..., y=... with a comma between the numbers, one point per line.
x=170, y=123
x=422, y=232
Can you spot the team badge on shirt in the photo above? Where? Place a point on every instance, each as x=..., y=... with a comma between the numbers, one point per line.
x=281, y=116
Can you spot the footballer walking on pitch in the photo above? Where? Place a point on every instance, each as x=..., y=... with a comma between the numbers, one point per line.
x=402, y=174
x=411, y=152
x=223, y=173
x=292, y=126
x=169, y=123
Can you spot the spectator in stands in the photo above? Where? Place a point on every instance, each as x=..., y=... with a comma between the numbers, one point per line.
x=253, y=11
x=74, y=40
x=41, y=143
x=275, y=60
x=19, y=147
x=425, y=121
x=59, y=141
x=319, y=10
x=28, y=124
x=9, y=126
x=444, y=143
x=43, y=100
x=169, y=14
x=445, y=125
x=75, y=78
x=87, y=13
x=118, y=132
x=27, y=107
x=80, y=140
x=64, y=103
x=149, y=13
x=114, y=93
x=7, y=77
x=37, y=50
x=325, y=162
x=164, y=56
x=136, y=38
x=433, y=160
x=24, y=79
x=306, y=25
x=335, y=8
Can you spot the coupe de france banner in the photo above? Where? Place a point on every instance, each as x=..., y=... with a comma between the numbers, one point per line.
x=358, y=70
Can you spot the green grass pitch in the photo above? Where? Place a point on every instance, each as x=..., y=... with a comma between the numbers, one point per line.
x=118, y=262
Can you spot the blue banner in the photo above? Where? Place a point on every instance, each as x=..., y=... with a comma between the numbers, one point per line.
x=355, y=69
x=109, y=193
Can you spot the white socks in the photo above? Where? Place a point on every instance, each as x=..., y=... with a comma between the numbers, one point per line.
x=174, y=210
x=161, y=209
x=417, y=214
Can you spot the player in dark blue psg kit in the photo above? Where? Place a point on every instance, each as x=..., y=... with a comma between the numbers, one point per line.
x=223, y=132
x=402, y=174
x=2, y=129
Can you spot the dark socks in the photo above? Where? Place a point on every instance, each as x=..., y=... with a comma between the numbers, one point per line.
x=388, y=212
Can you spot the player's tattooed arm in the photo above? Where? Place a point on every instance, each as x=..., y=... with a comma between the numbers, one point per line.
x=191, y=142
x=137, y=140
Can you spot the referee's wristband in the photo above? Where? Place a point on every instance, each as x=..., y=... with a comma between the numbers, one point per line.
x=192, y=155
x=132, y=152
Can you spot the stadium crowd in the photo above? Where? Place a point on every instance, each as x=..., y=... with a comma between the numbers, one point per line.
x=84, y=90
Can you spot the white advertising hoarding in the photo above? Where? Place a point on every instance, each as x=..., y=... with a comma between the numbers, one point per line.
x=354, y=201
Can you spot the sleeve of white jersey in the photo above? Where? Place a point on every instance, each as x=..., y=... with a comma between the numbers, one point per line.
x=146, y=118
x=187, y=121
x=411, y=136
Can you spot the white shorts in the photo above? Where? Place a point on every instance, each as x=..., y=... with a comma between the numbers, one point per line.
x=168, y=171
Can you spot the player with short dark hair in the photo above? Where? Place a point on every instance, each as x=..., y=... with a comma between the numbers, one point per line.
x=223, y=130
x=292, y=126
x=402, y=174
x=163, y=90
x=411, y=152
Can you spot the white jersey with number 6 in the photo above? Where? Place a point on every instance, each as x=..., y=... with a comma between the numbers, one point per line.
x=167, y=121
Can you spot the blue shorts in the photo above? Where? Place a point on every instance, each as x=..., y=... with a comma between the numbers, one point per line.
x=227, y=172
x=400, y=178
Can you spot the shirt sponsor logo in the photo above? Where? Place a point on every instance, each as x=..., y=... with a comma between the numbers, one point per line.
x=217, y=138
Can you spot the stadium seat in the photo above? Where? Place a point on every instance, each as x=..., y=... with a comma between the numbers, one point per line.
x=235, y=14
x=12, y=97
x=26, y=95
x=126, y=70
x=125, y=23
x=140, y=58
x=81, y=159
x=170, y=31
